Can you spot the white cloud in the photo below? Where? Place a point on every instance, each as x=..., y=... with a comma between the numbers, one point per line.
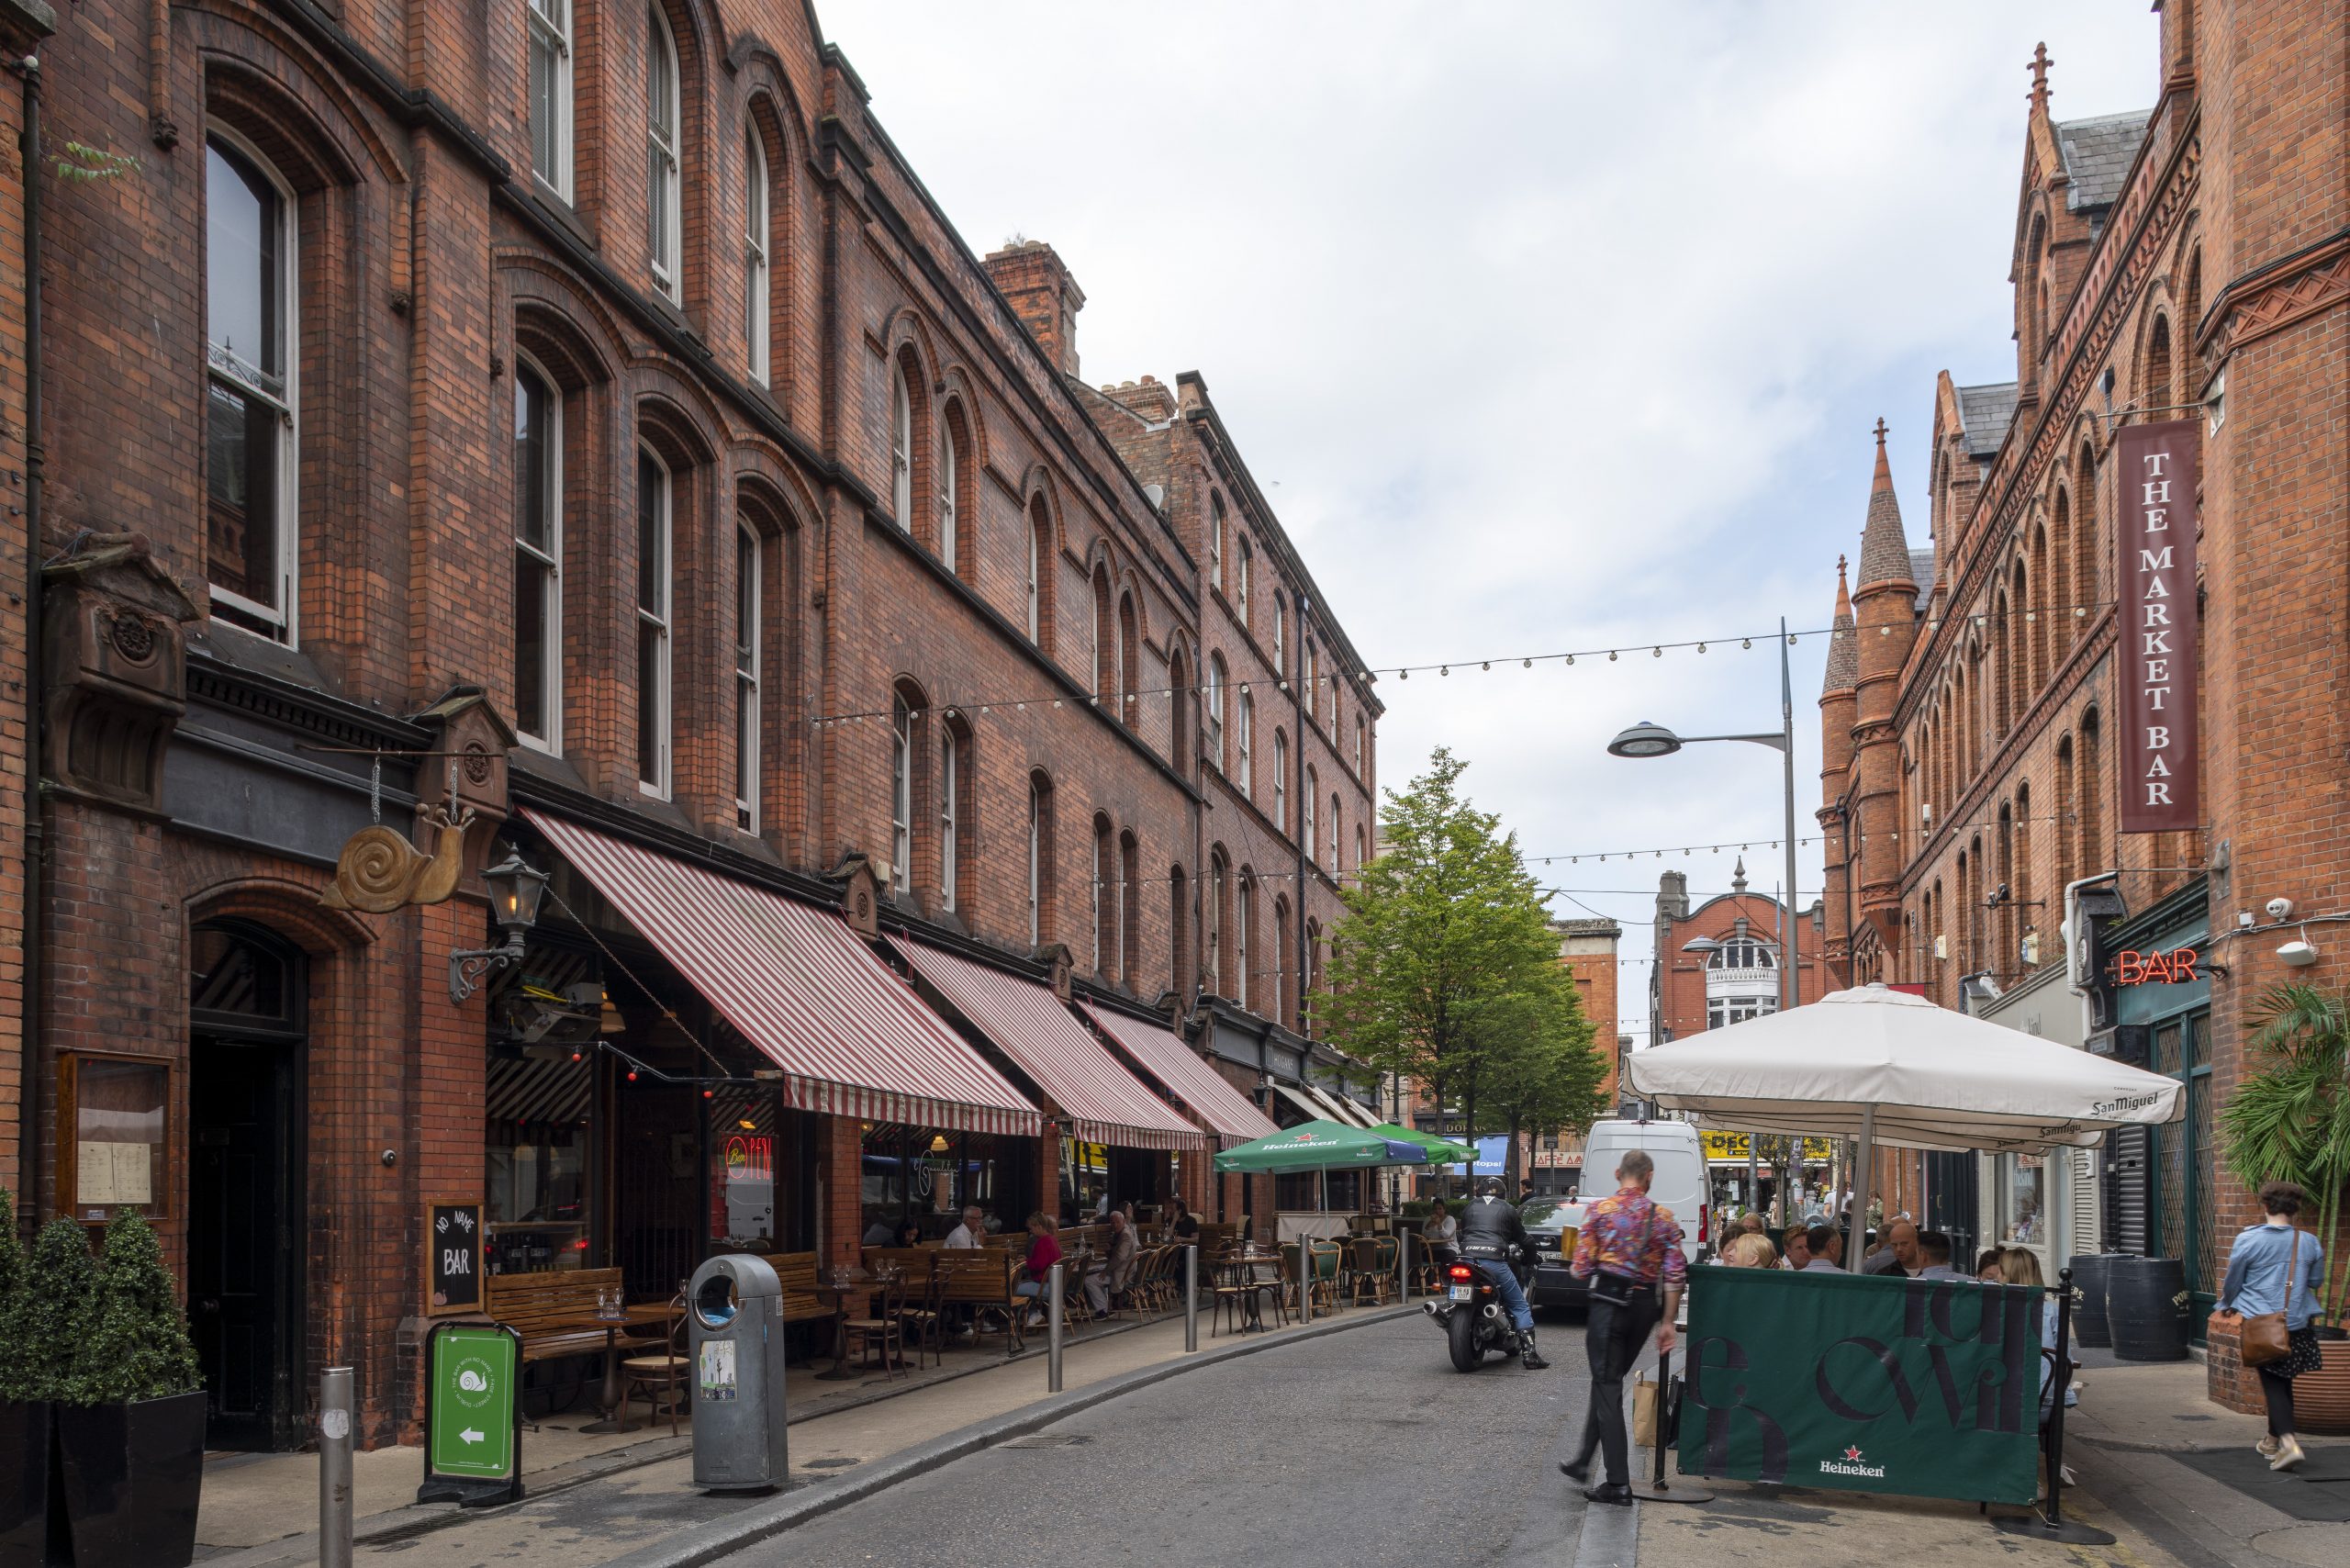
x=1546, y=327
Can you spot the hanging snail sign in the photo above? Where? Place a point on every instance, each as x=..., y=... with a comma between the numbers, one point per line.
x=2154, y=468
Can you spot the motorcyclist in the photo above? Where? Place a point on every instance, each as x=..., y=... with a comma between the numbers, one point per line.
x=1491, y=1233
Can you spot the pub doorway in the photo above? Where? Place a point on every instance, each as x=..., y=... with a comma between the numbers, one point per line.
x=247, y=1027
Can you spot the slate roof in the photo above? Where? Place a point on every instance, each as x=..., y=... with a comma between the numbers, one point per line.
x=2096, y=154
x=1984, y=415
x=1843, y=653
x=1885, y=550
x=1921, y=572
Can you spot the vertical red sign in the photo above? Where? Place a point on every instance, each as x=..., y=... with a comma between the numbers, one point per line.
x=2154, y=470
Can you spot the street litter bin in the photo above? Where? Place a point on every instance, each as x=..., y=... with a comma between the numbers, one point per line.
x=734, y=1321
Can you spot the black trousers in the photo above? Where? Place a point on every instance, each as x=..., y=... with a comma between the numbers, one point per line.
x=2278, y=1393
x=1612, y=1340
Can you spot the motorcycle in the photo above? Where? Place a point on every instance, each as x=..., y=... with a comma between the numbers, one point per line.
x=1470, y=1312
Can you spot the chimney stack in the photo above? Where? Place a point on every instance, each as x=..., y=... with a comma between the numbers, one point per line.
x=1033, y=276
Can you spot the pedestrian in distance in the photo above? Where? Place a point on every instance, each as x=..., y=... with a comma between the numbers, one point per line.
x=1629, y=1249
x=2273, y=1270
x=1827, y=1246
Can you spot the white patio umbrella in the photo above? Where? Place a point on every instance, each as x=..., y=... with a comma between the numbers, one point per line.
x=1882, y=1066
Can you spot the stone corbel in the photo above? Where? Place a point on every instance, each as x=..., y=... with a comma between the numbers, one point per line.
x=115, y=669
x=861, y=898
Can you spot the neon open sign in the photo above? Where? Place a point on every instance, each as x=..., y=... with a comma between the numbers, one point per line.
x=2174, y=968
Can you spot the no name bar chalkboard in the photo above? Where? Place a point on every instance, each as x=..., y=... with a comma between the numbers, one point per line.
x=451, y=1256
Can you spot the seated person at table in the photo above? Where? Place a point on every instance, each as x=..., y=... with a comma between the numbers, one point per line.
x=1114, y=1270
x=969, y=1235
x=1748, y=1251
x=1044, y=1251
x=1827, y=1246
x=1989, y=1268
x=1182, y=1224
x=1900, y=1254
x=1798, y=1249
x=909, y=1234
x=1442, y=1231
x=1933, y=1256
x=877, y=1232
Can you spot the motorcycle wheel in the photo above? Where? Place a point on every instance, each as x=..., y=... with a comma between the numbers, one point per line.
x=1460, y=1331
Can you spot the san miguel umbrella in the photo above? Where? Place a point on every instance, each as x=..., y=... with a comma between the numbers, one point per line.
x=1321, y=1146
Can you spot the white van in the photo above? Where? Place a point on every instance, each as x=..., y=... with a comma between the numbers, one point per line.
x=1680, y=1186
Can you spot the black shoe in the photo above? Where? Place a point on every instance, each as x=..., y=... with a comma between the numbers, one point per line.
x=1619, y=1494
x=1528, y=1356
x=1577, y=1471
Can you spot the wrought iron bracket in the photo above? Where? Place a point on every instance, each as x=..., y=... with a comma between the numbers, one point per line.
x=469, y=967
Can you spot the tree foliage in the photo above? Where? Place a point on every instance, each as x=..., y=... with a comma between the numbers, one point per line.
x=41, y=1324
x=2290, y=1121
x=135, y=1344
x=1445, y=970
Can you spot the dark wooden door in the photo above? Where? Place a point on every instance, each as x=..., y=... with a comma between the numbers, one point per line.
x=244, y=1305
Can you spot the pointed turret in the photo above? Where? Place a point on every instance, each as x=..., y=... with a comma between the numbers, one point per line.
x=1884, y=625
x=1837, y=699
x=1843, y=658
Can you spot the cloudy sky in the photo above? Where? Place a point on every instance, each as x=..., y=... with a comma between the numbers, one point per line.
x=1546, y=328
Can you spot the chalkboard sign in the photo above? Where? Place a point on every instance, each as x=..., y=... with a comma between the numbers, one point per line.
x=452, y=1256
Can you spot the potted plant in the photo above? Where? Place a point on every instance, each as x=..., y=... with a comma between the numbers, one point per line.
x=25, y=1391
x=130, y=1413
x=2290, y=1122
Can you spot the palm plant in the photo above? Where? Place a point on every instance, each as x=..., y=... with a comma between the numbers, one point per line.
x=2290, y=1121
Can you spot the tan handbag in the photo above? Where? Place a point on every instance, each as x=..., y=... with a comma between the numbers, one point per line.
x=2264, y=1340
x=1645, y=1405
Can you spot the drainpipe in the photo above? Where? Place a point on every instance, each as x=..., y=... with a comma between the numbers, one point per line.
x=35, y=848
x=1297, y=775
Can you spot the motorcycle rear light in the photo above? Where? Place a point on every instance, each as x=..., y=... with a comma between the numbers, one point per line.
x=1461, y=1271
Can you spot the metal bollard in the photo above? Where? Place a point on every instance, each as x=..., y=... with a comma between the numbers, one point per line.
x=1304, y=1280
x=1053, y=1331
x=334, y=1468
x=1190, y=1298
x=1404, y=1265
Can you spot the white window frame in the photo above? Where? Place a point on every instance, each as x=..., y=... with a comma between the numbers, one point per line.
x=1335, y=833
x=1101, y=848
x=1312, y=675
x=1216, y=680
x=227, y=368
x=1241, y=899
x=750, y=566
x=1360, y=728
x=1280, y=634
x=1216, y=541
x=1242, y=571
x=1281, y=781
x=551, y=557
x=659, y=620
x=950, y=473
x=1211, y=975
x=901, y=449
x=550, y=29
x=1305, y=822
x=1036, y=864
x=663, y=141
x=755, y=237
x=902, y=794
x=948, y=820
x=1244, y=744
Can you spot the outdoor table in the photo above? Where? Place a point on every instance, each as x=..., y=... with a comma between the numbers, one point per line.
x=1245, y=1270
x=607, y=1399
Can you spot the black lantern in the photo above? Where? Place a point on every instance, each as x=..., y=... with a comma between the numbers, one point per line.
x=514, y=893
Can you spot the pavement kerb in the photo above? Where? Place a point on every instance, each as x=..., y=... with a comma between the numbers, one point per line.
x=708, y=1542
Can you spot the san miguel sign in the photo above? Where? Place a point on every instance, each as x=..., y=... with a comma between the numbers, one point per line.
x=2155, y=469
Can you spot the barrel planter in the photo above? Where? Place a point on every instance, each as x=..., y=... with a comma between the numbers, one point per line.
x=2146, y=1306
x=2090, y=1273
x=2321, y=1398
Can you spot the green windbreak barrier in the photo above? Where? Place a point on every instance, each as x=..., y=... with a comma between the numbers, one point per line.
x=1927, y=1389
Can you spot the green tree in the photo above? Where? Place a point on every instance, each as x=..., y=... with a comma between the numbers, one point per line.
x=44, y=1324
x=135, y=1345
x=1445, y=969
x=2291, y=1120
x=14, y=1372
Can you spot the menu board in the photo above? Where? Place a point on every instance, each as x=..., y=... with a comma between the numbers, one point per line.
x=113, y=1173
x=452, y=1255
x=112, y=1116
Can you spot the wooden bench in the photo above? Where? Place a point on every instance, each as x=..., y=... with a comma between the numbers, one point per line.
x=552, y=1310
x=912, y=1261
x=982, y=1279
x=795, y=1271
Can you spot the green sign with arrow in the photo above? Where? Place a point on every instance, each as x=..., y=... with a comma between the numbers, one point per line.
x=473, y=1389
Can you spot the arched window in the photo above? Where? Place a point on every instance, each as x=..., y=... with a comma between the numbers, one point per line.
x=747, y=578
x=1334, y=835
x=1179, y=701
x=550, y=25
x=1105, y=895
x=902, y=794
x=2091, y=771
x=1244, y=744
x=2068, y=864
x=1212, y=953
x=1360, y=842
x=1105, y=641
x=1040, y=858
x=1129, y=662
x=1179, y=922
x=664, y=139
x=1285, y=1001
x=252, y=413
x=1361, y=729
x=1280, y=780
x=1216, y=541
x=955, y=784
x=2020, y=875
x=1304, y=1017
x=2063, y=599
x=2086, y=589
x=2002, y=675
x=1742, y=953
x=952, y=521
x=901, y=450
x=1129, y=910
x=1244, y=916
x=653, y=692
x=1313, y=676
x=2004, y=840
x=1306, y=831
x=2154, y=383
x=754, y=252
x=1243, y=567
x=538, y=557
x=1281, y=634
x=2190, y=320
x=1040, y=574
x=1215, y=712
x=2040, y=607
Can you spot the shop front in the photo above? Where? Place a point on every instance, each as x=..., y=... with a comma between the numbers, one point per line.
x=2048, y=1202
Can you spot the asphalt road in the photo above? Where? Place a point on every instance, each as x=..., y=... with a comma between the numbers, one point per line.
x=1337, y=1451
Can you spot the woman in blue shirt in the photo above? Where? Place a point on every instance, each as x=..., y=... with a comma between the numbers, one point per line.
x=2275, y=1267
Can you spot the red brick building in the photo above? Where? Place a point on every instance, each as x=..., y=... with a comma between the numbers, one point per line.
x=1718, y=962
x=586, y=439
x=2188, y=261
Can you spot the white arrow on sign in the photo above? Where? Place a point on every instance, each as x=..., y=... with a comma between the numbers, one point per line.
x=470, y=1435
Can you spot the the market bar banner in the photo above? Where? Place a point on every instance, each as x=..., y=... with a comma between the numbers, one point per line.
x=2155, y=464
x=1921, y=1388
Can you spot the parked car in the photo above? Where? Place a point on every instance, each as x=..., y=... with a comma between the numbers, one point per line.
x=1680, y=1186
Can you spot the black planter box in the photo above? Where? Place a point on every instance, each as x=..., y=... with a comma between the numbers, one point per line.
x=130, y=1476
x=24, y=1484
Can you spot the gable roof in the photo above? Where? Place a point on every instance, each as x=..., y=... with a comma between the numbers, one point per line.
x=2097, y=154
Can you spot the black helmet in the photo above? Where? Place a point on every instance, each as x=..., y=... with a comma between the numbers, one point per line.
x=1490, y=1187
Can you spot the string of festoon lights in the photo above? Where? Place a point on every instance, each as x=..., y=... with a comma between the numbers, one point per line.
x=987, y=707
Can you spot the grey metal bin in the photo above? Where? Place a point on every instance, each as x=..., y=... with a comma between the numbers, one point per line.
x=734, y=1319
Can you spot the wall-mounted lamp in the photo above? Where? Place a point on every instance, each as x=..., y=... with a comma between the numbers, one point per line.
x=514, y=893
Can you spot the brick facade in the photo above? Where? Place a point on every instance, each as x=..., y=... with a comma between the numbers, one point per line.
x=431, y=266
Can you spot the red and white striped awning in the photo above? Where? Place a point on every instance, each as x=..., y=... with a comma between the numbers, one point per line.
x=851, y=1037
x=1186, y=1076
x=1103, y=1101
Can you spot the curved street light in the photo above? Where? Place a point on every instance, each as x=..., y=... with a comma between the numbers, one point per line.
x=1645, y=739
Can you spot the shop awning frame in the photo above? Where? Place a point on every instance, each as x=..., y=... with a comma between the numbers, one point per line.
x=851, y=1036
x=1102, y=1101
x=1181, y=1071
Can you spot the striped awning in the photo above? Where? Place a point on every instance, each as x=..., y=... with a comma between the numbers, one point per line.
x=538, y=1092
x=1304, y=1104
x=1186, y=1076
x=1342, y=1110
x=1102, y=1101
x=852, y=1038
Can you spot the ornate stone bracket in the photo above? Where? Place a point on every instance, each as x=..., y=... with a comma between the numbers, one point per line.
x=115, y=672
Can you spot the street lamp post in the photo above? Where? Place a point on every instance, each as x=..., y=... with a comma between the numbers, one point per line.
x=1644, y=740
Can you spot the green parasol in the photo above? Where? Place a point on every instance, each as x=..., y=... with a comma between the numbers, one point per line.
x=1440, y=1152
x=1319, y=1146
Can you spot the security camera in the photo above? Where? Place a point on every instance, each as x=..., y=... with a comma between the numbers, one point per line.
x=2280, y=909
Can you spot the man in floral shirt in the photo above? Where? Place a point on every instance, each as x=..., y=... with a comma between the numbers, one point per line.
x=1626, y=1248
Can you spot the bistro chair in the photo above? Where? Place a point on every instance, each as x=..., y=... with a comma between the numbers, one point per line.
x=883, y=1331
x=660, y=1374
x=1369, y=1281
x=1326, y=1275
x=925, y=1322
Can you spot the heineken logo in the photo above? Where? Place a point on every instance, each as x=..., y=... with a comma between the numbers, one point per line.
x=1851, y=1464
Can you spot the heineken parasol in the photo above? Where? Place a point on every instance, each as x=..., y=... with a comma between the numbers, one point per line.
x=1317, y=1145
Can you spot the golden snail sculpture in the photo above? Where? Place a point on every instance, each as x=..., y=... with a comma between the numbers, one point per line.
x=379, y=870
